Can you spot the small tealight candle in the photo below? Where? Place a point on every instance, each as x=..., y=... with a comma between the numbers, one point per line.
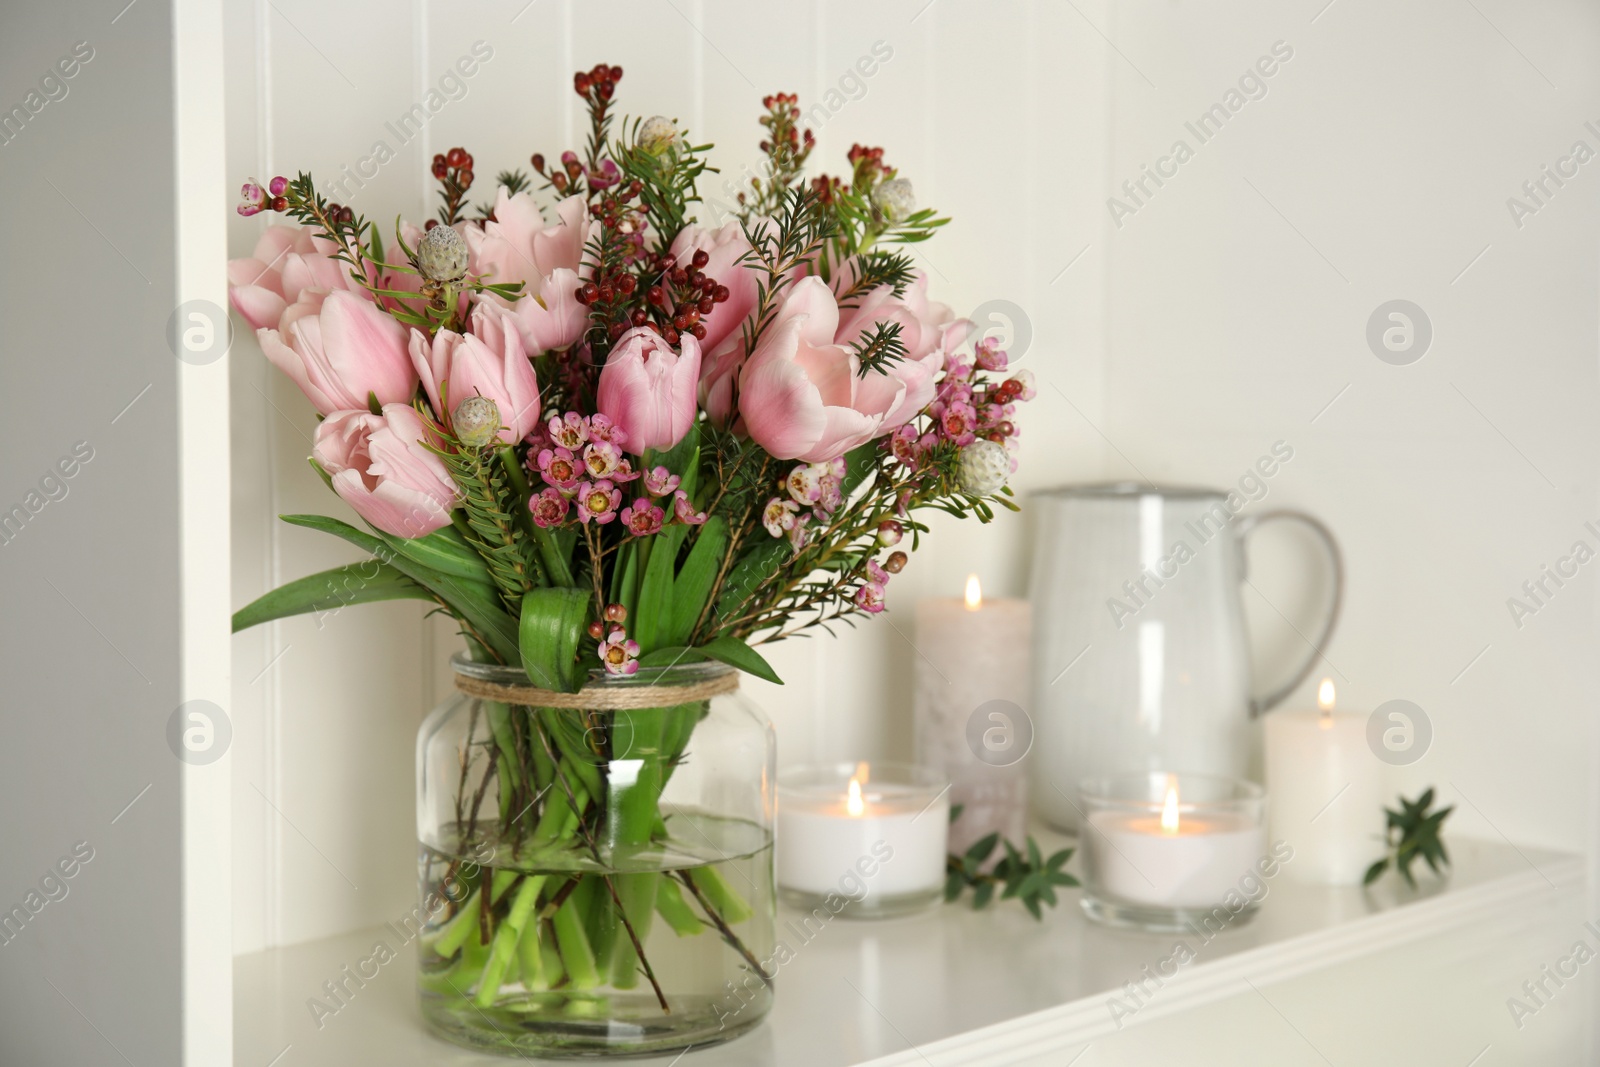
x=1327, y=791
x=1164, y=850
x=866, y=840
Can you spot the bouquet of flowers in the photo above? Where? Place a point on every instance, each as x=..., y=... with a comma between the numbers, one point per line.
x=609, y=439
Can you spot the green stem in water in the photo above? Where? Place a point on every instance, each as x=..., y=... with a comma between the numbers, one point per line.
x=504, y=950
x=576, y=957
x=675, y=910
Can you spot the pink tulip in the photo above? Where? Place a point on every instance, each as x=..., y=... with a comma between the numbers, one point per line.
x=553, y=319
x=800, y=394
x=338, y=347
x=287, y=261
x=648, y=391
x=489, y=361
x=518, y=247
x=732, y=265
x=381, y=468
x=921, y=320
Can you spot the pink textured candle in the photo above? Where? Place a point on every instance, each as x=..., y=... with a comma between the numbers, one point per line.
x=971, y=697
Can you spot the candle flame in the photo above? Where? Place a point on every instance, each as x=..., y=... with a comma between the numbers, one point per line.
x=1169, y=810
x=1325, y=695
x=855, y=805
x=974, y=593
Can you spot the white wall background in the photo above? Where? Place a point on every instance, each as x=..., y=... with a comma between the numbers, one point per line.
x=1224, y=315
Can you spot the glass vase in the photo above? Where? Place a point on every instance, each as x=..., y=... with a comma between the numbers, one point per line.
x=595, y=869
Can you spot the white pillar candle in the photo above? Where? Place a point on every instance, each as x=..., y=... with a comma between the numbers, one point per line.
x=1171, y=859
x=1326, y=788
x=970, y=702
x=861, y=835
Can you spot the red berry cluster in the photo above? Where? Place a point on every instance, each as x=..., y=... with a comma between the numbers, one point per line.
x=454, y=165
x=454, y=170
x=782, y=113
x=613, y=284
x=682, y=297
x=868, y=165
x=599, y=83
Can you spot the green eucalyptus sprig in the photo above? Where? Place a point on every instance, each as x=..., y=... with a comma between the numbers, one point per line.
x=1024, y=874
x=1411, y=832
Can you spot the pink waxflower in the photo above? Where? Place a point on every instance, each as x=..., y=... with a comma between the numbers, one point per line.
x=661, y=482
x=683, y=509
x=603, y=429
x=549, y=508
x=560, y=468
x=989, y=355
x=800, y=396
x=649, y=391
x=805, y=483
x=489, y=362
x=642, y=518
x=380, y=467
x=618, y=653
x=598, y=501
x=869, y=598
x=733, y=265
x=876, y=574
x=779, y=516
x=339, y=347
x=959, y=423
x=569, y=431
x=799, y=533
x=1024, y=389
x=601, y=459
x=252, y=199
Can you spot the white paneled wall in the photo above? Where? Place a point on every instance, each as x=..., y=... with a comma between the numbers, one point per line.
x=1179, y=345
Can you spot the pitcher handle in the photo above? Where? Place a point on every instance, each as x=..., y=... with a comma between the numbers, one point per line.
x=1247, y=525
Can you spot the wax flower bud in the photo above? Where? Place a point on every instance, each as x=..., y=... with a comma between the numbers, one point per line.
x=658, y=134
x=477, y=420
x=983, y=468
x=894, y=200
x=889, y=533
x=442, y=255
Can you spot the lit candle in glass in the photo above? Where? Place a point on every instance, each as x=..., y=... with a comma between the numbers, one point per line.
x=1161, y=850
x=1327, y=793
x=870, y=834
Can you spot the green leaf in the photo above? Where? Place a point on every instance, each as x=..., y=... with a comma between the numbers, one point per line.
x=445, y=551
x=1374, y=872
x=667, y=657
x=981, y=895
x=692, y=588
x=355, y=583
x=647, y=623
x=476, y=604
x=981, y=849
x=735, y=653
x=956, y=810
x=551, y=627
x=753, y=568
x=858, y=463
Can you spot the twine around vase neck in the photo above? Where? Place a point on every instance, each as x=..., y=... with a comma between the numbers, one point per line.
x=601, y=697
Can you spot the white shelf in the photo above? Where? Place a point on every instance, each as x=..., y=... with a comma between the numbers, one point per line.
x=949, y=987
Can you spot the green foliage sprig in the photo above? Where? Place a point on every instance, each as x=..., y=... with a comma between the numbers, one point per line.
x=1411, y=832
x=1024, y=874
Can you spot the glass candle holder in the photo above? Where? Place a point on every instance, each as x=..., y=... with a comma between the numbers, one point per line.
x=863, y=840
x=1172, y=852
